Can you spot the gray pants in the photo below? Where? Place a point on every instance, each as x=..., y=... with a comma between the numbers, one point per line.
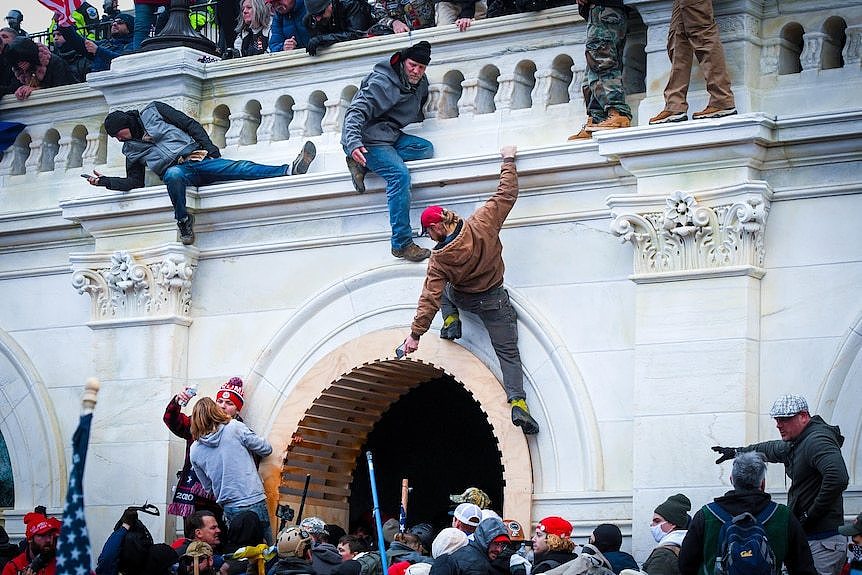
x=829, y=554
x=497, y=314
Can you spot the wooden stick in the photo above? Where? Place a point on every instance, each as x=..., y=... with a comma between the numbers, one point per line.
x=88, y=399
x=404, y=491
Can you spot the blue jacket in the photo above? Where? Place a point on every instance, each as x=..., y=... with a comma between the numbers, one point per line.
x=287, y=25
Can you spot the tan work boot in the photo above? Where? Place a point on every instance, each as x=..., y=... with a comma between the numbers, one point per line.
x=668, y=117
x=713, y=112
x=412, y=252
x=614, y=120
x=583, y=134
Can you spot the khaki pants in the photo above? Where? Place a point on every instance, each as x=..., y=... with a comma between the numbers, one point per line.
x=447, y=12
x=693, y=31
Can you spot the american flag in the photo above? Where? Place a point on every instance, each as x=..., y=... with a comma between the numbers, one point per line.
x=73, y=547
x=64, y=7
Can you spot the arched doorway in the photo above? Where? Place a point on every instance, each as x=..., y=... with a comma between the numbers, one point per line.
x=437, y=437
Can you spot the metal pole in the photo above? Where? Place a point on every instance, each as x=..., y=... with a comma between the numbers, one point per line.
x=381, y=544
x=302, y=501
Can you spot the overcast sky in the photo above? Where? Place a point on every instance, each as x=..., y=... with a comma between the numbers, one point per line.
x=37, y=17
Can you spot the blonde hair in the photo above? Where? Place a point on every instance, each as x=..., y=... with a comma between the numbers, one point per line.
x=206, y=417
x=556, y=543
x=260, y=16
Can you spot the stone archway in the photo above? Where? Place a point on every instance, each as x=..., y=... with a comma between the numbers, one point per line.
x=335, y=406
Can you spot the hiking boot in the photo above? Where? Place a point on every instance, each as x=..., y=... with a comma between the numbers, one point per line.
x=357, y=174
x=668, y=117
x=614, y=120
x=187, y=233
x=521, y=417
x=451, y=327
x=583, y=134
x=303, y=159
x=411, y=252
x=713, y=112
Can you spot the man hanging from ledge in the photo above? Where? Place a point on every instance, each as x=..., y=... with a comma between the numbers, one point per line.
x=466, y=272
x=180, y=152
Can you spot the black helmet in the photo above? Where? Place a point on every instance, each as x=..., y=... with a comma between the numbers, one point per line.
x=15, y=17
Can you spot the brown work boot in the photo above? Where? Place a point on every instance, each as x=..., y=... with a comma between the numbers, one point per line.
x=713, y=112
x=303, y=159
x=412, y=252
x=668, y=117
x=614, y=120
x=583, y=134
x=357, y=174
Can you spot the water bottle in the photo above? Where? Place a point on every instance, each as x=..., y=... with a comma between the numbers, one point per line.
x=191, y=391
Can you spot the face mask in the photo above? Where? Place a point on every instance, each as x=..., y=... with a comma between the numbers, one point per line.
x=854, y=552
x=657, y=533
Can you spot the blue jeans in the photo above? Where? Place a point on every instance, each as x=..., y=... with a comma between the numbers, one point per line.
x=388, y=163
x=211, y=170
x=259, y=509
x=145, y=17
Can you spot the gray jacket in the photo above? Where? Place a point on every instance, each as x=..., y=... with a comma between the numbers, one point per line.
x=222, y=461
x=168, y=142
x=384, y=104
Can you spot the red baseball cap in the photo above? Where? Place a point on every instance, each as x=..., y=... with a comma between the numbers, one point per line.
x=430, y=216
x=554, y=525
x=38, y=524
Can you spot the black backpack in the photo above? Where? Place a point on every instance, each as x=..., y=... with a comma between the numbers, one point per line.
x=743, y=546
x=135, y=549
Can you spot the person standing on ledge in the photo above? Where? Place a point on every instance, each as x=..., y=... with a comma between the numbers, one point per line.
x=465, y=272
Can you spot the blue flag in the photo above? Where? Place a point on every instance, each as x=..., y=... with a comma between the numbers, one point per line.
x=73, y=546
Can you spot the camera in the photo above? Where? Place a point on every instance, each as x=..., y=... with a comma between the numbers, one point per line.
x=284, y=512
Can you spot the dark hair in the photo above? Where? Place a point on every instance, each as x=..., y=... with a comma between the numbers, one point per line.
x=23, y=49
x=355, y=543
x=194, y=522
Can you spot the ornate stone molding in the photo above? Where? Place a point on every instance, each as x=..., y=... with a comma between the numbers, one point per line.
x=688, y=239
x=146, y=287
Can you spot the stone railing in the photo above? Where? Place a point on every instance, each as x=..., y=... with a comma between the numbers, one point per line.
x=516, y=78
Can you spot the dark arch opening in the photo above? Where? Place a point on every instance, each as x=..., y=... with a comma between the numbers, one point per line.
x=438, y=437
x=7, y=485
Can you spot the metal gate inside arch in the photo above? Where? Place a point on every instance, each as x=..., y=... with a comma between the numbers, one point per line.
x=419, y=422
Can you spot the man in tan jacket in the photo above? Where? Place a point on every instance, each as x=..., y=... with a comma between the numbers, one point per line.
x=465, y=272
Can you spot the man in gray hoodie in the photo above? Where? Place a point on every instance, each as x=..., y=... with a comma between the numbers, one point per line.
x=390, y=97
x=810, y=450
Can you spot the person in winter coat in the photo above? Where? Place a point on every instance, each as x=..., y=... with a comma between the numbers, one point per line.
x=466, y=273
x=552, y=545
x=288, y=26
x=41, y=533
x=784, y=535
x=190, y=495
x=222, y=459
x=475, y=558
x=810, y=450
x=669, y=523
x=253, y=29
x=390, y=98
x=331, y=21
x=77, y=63
x=35, y=67
x=608, y=539
x=324, y=555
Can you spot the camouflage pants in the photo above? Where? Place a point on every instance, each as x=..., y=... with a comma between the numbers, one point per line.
x=606, y=37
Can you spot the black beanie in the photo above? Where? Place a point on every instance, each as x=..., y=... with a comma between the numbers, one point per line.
x=160, y=559
x=419, y=52
x=607, y=537
x=23, y=49
x=675, y=510
x=116, y=121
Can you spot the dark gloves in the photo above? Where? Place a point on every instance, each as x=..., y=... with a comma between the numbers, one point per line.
x=727, y=453
x=130, y=516
x=313, y=45
x=213, y=151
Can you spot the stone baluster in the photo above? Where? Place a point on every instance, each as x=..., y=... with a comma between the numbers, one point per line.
x=432, y=105
x=333, y=118
x=852, y=52
x=447, y=107
x=33, y=163
x=307, y=120
x=267, y=124
x=505, y=92
x=576, y=90
x=8, y=163
x=769, y=56
x=541, y=93
x=477, y=96
x=90, y=155
x=812, y=50
x=61, y=160
x=243, y=129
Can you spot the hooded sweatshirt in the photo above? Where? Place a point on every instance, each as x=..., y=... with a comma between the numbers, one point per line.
x=472, y=559
x=325, y=558
x=223, y=462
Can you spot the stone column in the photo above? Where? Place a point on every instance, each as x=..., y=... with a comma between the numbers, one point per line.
x=140, y=312
x=697, y=227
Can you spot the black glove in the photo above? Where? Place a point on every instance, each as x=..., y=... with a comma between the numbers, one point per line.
x=130, y=516
x=727, y=453
x=803, y=519
x=313, y=45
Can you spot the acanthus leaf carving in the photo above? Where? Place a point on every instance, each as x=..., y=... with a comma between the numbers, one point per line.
x=688, y=237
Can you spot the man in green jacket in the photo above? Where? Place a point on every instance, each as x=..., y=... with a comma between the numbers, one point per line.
x=810, y=450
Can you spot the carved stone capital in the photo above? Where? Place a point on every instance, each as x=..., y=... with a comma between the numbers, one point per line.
x=689, y=239
x=137, y=288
